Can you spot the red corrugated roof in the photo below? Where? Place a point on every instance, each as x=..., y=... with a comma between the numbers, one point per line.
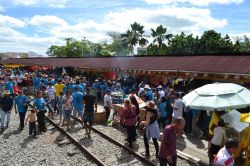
x=213, y=64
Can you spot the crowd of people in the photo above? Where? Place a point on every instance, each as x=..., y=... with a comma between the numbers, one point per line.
x=62, y=96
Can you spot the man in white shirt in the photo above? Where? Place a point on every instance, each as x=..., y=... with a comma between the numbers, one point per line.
x=161, y=92
x=178, y=108
x=107, y=104
x=225, y=155
x=51, y=95
x=217, y=141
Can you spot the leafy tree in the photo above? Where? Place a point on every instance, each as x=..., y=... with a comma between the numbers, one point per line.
x=212, y=42
x=118, y=46
x=135, y=35
x=181, y=44
x=159, y=36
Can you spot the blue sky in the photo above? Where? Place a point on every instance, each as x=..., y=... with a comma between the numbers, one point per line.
x=34, y=25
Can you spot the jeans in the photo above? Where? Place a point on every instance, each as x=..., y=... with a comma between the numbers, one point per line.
x=107, y=110
x=131, y=134
x=41, y=121
x=164, y=162
x=32, y=128
x=52, y=104
x=3, y=114
x=22, y=118
x=156, y=144
x=188, y=116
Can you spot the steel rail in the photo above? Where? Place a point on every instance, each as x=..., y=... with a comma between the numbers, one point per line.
x=138, y=156
x=81, y=147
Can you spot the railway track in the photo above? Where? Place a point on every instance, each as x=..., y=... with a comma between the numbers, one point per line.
x=101, y=148
x=118, y=138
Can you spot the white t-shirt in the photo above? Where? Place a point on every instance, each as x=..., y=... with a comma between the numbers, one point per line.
x=161, y=94
x=178, y=108
x=67, y=103
x=107, y=98
x=223, y=158
x=20, y=78
x=51, y=92
x=219, y=136
x=140, y=91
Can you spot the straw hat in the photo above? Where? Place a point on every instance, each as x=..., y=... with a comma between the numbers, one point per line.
x=151, y=105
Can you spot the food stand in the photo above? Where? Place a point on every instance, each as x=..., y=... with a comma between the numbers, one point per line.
x=240, y=131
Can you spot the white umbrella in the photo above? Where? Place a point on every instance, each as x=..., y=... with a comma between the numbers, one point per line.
x=218, y=96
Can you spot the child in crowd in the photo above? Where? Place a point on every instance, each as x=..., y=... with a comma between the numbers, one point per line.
x=32, y=122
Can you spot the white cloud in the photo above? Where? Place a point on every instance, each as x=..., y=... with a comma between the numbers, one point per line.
x=7, y=21
x=14, y=41
x=49, y=3
x=25, y=2
x=195, y=2
x=176, y=19
x=47, y=21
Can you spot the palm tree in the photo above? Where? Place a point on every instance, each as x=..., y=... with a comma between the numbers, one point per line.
x=135, y=35
x=160, y=36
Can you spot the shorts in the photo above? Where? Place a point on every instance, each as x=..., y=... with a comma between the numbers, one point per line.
x=67, y=114
x=78, y=111
x=88, y=118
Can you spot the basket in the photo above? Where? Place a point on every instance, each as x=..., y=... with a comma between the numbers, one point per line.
x=100, y=117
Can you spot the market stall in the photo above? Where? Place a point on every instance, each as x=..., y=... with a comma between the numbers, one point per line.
x=225, y=97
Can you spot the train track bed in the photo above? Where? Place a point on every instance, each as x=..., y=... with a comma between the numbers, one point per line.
x=119, y=134
x=103, y=149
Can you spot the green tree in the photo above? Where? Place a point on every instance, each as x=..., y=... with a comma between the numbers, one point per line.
x=118, y=46
x=182, y=44
x=159, y=36
x=73, y=48
x=135, y=35
x=212, y=42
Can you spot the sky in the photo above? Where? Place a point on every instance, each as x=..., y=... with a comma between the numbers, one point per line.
x=35, y=25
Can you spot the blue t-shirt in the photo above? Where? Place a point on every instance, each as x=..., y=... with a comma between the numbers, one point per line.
x=40, y=104
x=71, y=87
x=10, y=87
x=162, y=109
x=103, y=87
x=78, y=100
x=83, y=85
x=80, y=88
x=36, y=81
x=149, y=95
x=20, y=101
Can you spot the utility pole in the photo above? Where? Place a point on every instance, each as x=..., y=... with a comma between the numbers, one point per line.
x=83, y=43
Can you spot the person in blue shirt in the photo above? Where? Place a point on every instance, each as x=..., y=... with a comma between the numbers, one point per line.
x=71, y=86
x=21, y=107
x=77, y=84
x=36, y=83
x=9, y=86
x=83, y=85
x=103, y=89
x=40, y=106
x=78, y=103
x=149, y=93
x=162, y=109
